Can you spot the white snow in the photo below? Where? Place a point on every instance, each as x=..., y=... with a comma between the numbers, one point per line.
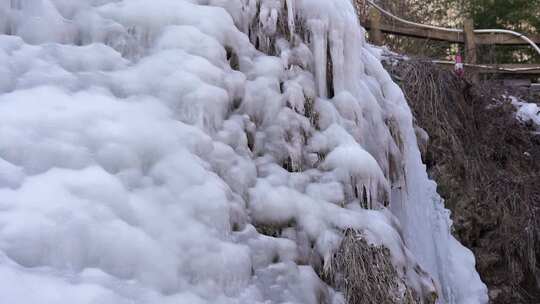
x=526, y=112
x=136, y=159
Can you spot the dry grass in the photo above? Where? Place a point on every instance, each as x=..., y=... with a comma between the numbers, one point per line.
x=487, y=165
x=365, y=274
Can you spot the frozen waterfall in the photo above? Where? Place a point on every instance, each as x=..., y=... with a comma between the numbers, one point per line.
x=207, y=151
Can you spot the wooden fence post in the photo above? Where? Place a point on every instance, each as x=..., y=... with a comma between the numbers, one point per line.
x=375, y=33
x=470, y=48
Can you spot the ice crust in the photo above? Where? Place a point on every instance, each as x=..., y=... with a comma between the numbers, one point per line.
x=145, y=146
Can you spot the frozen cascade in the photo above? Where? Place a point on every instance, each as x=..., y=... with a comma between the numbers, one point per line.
x=207, y=151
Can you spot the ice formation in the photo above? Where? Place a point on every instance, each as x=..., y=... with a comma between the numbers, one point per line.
x=206, y=151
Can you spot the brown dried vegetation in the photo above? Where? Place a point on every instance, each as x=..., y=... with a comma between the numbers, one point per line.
x=487, y=166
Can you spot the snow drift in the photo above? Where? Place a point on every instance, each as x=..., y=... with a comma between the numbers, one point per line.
x=211, y=151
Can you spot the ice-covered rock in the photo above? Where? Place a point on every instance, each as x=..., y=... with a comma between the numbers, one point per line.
x=210, y=151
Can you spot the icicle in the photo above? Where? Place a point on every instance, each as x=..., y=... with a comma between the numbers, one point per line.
x=291, y=17
x=319, y=32
x=338, y=60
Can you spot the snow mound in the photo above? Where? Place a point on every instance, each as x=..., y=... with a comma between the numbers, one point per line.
x=211, y=151
x=527, y=112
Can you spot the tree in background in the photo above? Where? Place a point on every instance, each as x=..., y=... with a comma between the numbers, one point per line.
x=519, y=15
x=436, y=12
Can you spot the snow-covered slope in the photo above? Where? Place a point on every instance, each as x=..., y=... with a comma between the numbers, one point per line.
x=211, y=151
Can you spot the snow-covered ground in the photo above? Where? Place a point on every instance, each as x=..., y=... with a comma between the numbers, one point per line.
x=141, y=143
x=527, y=112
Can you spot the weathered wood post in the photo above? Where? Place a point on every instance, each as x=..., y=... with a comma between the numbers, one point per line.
x=470, y=48
x=375, y=33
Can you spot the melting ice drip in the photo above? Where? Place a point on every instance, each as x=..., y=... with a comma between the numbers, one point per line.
x=206, y=151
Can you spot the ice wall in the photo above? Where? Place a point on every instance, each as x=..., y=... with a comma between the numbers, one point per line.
x=208, y=151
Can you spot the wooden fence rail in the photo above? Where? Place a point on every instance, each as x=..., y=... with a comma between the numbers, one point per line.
x=372, y=20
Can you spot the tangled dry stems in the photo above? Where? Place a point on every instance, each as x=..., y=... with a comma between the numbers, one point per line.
x=365, y=274
x=487, y=166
